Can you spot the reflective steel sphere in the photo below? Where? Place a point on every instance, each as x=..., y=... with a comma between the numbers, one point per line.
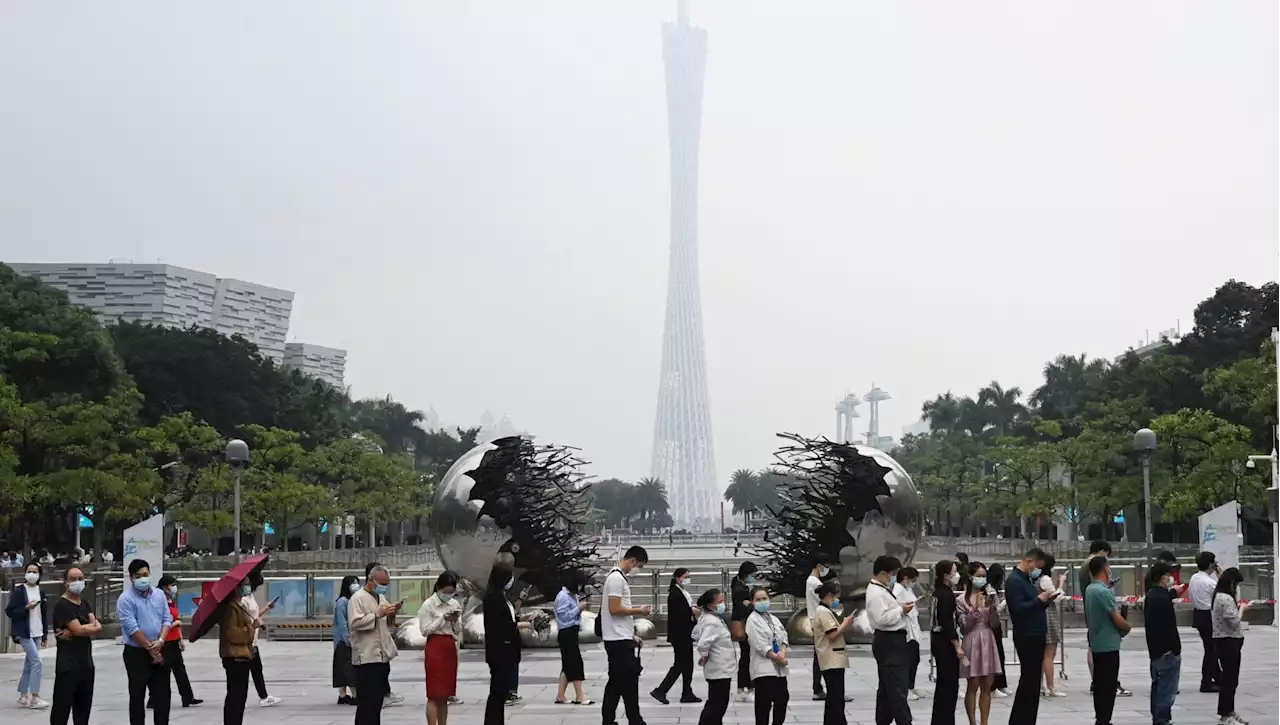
x=468, y=543
x=893, y=531
x=799, y=628
x=645, y=628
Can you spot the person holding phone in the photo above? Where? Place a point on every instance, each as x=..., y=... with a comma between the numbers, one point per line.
x=440, y=622
x=372, y=646
x=1202, y=587
x=29, y=614
x=1030, y=623
x=174, y=646
x=255, y=661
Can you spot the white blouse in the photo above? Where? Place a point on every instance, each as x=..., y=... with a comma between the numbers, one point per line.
x=762, y=631
x=431, y=617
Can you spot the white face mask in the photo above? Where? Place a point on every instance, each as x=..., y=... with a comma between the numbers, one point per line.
x=32, y=577
x=955, y=578
x=823, y=571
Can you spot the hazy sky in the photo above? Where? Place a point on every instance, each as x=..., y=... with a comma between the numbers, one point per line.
x=472, y=196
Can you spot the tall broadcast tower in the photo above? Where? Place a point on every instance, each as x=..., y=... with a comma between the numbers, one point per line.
x=874, y=398
x=682, y=451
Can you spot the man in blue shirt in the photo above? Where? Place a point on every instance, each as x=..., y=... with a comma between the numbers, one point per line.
x=144, y=621
x=1027, y=606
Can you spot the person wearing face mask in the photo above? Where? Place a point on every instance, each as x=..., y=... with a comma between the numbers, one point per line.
x=828, y=644
x=440, y=622
x=811, y=606
x=1164, y=645
x=501, y=641
x=978, y=618
x=1053, y=620
x=680, y=620
x=717, y=655
x=904, y=590
x=620, y=640
x=255, y=669
x=29, y=615
x=1106, y=628
x=144, y=623
x=236, y=631
x=392, y=698
x=888, y=617
x=1027, y=607
x=174, y=646
x=74, y=624
x=767, y=639
x=571, y=602
x=944, y=642
x=372, y=647
x=740, y=590
x=341, y=680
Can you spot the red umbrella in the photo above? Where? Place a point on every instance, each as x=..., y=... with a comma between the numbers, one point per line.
x=224, y=590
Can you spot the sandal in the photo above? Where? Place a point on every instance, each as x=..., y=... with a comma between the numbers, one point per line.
x=563, y=702
x=584, y=702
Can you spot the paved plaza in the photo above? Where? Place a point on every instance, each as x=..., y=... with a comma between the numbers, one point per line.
x=298, y=672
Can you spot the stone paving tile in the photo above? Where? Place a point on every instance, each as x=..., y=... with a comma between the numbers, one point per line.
x=298, y=672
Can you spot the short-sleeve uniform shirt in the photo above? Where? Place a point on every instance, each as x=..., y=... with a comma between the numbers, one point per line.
x=1099, y=603
x=831, y=655
x=616, y=627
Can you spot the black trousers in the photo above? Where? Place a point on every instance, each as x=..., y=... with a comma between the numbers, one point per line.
x=1227, y=650
x=893, y=664
x=373, y=682
x=947, y=674
x=682, y=668
x=173, y=658
x=145, y=676
x=499, y=690
x=237, y=672
x=913, y=650
x=623, y=683
x=817, y=674
x=255, y=669
x=772, y=695
x=1210, y=673
x=833, y=708
x=72, y=697
x=1026, y=699
x=744, y=666
x=1001, y=682
x=1106, y=676
x=717, y=703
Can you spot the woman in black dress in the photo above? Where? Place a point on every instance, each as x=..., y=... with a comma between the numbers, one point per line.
x=944, y=643
x=741, y=607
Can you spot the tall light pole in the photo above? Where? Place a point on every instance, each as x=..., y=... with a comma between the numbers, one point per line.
x=238, y=459
x=1144, y=442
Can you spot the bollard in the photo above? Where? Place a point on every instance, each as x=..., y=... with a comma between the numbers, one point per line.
x=5, y=641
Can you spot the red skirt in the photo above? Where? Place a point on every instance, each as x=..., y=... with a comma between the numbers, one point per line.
x=441, y=662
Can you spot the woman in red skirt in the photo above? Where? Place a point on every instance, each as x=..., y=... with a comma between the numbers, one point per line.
x=440, y=621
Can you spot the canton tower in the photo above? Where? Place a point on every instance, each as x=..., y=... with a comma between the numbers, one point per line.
x=682, y=450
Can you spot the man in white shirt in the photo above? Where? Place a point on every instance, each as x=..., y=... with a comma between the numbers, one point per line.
x=618, y=629
x=1203, y=583
x=888, y=617
x=811, y=605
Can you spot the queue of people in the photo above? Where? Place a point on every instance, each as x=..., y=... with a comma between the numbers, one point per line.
x=964, y=626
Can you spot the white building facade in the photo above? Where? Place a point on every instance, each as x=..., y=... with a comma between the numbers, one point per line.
x=326, y=363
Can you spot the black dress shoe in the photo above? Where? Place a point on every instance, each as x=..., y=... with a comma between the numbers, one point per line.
x=659, y=697
x=151, y=705
x=1211, y=687
x=192, y=702
x=689, y=697
x=819, y=696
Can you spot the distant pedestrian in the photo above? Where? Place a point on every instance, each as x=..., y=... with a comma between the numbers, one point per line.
x=440, y=622
x=717, y=654
x=29, y=616
x=1164, y=645
x=74, y=625
x=1228, y=639
x=341, y=679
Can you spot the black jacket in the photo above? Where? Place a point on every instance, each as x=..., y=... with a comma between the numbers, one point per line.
x=740, y=593
x=944, y=617
x=501, y=636
x=679, y=617
x=1161, y=624
x=17, y=612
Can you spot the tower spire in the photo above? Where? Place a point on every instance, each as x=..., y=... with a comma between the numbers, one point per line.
x=682, y=12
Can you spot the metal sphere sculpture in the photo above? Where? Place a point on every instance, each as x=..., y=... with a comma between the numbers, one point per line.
x=511, y=500
x=850, y=503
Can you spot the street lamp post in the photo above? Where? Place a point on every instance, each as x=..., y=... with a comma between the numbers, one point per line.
x=238, y=459
x=1144, y=441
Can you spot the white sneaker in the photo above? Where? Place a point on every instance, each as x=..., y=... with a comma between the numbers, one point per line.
x=36, y=703
x=269, y=700
x=394, y=698
x=1237, y=720
x=913, y=695
x=1000, y=693
x=745, y=696
x=22, y=700
x=1057, y=693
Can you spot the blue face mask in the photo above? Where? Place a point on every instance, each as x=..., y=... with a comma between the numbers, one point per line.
x=381, y=589
x=142, y=584
x=835, y=604
x=353, y=588
x=720, y=608
x=245, y=590
x=762, y=607
x=445, y=596
x=979, y=582
x=1035, y=574
x=751, y=579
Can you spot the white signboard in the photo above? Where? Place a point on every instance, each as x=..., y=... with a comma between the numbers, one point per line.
x=145, y=540
x=1220, y=534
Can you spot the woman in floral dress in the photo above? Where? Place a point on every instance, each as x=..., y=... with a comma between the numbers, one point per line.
x=981, y=663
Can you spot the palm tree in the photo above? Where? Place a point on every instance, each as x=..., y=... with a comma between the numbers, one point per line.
x=943, y=412
x=1070, y=381
x=650, y=499
x=743, y=493
x=1001, y=406
x=398, y=427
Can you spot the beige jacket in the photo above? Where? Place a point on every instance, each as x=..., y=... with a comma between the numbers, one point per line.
x=371, y=641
